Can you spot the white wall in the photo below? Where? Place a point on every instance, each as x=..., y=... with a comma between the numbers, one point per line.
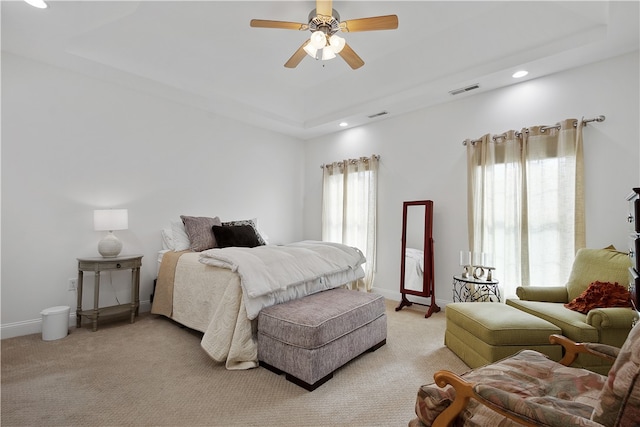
x=71, y=144
x=422, y=157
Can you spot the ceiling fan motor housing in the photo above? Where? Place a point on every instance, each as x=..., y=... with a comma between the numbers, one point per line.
x=327, y=24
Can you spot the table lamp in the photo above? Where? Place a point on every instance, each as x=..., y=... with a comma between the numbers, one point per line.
x=110, y=220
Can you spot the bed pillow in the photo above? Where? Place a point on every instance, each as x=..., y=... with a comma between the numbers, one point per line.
x=600, y=295
x=167, y=239
x=198, y=229
x=243, y=236
x=253, y=223
x=179, y=237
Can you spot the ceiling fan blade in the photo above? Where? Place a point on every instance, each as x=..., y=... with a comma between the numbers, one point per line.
x=265, y=23
x=387, y=22
x=324, y=7
x=297, y=56
x=351, y=57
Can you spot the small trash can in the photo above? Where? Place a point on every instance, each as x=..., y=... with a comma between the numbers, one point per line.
x=55, y=322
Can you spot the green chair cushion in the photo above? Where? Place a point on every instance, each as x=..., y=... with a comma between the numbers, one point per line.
x=573, y=324
x=498, y=324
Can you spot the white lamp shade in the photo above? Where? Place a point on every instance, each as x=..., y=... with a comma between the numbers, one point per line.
x=40, y=4
x=327, y=53
x=110, y=219
x=318, y=39
x=337, y=43
x=311, y=51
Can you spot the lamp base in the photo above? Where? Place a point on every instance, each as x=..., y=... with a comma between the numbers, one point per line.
x=110, y=246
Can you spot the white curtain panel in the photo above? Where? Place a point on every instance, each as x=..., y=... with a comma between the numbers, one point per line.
x=526, y=203
x=349, y=208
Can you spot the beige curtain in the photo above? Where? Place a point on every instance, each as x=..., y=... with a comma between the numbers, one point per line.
x=526, y=202
x=349, y=208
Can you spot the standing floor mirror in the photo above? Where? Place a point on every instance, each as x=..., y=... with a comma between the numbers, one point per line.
x=416, y=262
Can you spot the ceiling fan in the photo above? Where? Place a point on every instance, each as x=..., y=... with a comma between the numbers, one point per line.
x=324, y=24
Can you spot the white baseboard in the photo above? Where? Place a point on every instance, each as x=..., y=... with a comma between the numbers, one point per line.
x=34, y=326
x=27, y=327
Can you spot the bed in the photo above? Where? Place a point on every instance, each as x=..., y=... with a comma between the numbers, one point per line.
x=220, y=291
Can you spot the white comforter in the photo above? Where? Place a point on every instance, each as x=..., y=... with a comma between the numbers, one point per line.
x=274, y=274
x=414, y=269
x=417, y=256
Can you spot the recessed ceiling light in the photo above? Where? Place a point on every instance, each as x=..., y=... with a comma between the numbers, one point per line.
x=519, y=74
x=343, y=124
x=40, y=4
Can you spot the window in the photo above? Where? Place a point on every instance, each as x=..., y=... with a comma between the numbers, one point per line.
x=349, y=207
x=525, y=204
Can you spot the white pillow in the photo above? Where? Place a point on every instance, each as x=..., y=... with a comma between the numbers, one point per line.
x=167, y=239
x=179, y=237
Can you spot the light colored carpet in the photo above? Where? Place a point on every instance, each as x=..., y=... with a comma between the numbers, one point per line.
x=154, y=373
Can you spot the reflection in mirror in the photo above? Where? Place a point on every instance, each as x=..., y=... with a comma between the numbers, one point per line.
x=416, y=265
x=413, y=254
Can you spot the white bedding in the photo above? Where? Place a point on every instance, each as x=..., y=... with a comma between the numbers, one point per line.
x=272, y=274
x=414, y=269
x=211, y=300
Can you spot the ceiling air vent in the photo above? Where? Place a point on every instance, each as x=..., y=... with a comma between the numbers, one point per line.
x=381, y=113
x=464, y=89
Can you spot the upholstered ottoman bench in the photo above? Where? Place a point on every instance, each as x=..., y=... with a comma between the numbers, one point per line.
x=309, y=338
x=485, y=332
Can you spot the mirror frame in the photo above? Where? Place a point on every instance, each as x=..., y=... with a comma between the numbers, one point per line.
x=428, y=279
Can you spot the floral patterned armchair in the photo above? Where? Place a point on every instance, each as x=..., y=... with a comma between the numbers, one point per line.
x=530, y=389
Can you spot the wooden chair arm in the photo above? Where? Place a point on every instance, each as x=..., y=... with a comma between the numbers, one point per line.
x=572, y=349
x=464, y=391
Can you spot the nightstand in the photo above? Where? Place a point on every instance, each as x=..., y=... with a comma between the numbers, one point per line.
x=97, y=265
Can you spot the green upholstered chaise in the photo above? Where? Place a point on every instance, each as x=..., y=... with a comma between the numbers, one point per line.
x=600, y=325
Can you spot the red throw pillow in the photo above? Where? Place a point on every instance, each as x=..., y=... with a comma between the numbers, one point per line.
x=599, y=295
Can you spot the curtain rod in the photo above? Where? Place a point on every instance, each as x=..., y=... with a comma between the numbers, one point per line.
x=365, y=159
x=543, y=128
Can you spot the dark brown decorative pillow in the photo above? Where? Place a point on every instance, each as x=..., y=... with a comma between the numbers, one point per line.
x=600, y=295
x=198, y=228
x=251, y=222
x=243, y=236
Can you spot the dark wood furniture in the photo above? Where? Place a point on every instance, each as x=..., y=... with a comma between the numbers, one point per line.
x=428, y=284
x=634, y=246
x=98, y=264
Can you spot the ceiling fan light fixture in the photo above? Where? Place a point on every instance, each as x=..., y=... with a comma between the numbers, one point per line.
x=337, y=43
x=323, y=23
x=327, y=54
x=311, y=51
x=40, y=4
x=318, y=39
